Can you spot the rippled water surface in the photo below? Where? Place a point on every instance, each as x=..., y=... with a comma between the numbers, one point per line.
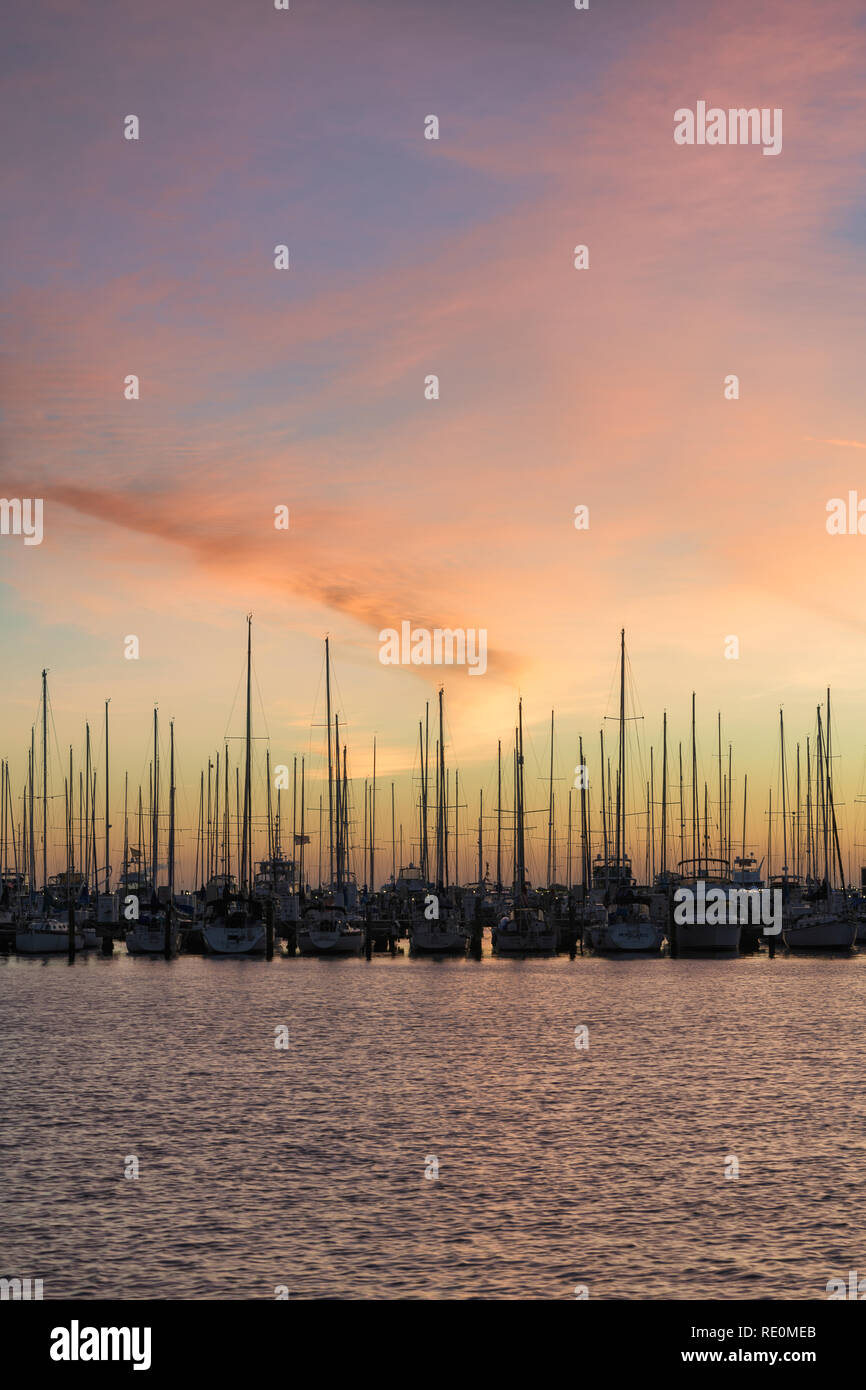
x=305, y=1168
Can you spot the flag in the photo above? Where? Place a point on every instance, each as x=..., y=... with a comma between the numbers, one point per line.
x=302, y=839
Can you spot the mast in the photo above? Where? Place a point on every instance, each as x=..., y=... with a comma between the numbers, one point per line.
x=142, y=847
x=125, y=828
x=520, y=862
x=440, y=806
x=373, y=821
x=301, y=889
x=345, y=831
x=821, y=784
x=721, y=802
x=330, y=765
x=426, y=785
x=457, y=827
x=770, y=837
x=247, y=845
x=499, y=815
x=620, y=789
x=227, y=844
x=45, y=782
x=31, y=779
x=797, y=866
x=745, y=799
x=584, y=821
x=784, y=798
x=154, y=834
x=421, y=807
x=651, y=818
x=88, y=811
x=604, y=814
x=664, y=791
x=682, y=808
x=107, y=822
x=271, y=856
x=550, y=812
x=696, y=839
x=171, y=818
x=810, y=857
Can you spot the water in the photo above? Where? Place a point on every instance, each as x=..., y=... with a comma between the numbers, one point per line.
x=305, y=1168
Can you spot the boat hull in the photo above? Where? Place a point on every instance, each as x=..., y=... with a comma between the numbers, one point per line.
x=150, y=941
x=524, y=943
x=248, y=940
x=708, y=936
x=315, y=942
x=447, y=941
x=625, y=938
x=830, y=934
x=33, y=942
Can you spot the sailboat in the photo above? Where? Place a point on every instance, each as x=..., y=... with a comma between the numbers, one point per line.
x=326, y=927
x=523, y=930
x=45, y=933
x=233, y=924
x=824, y=920
x=443, y=934
x=714, y=873
x=627, y=925
x=155, y=933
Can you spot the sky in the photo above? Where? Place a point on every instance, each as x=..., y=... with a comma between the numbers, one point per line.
x=602, y=387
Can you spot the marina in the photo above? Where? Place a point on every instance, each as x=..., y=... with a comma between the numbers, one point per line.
x=242, y=905
x=249, y=898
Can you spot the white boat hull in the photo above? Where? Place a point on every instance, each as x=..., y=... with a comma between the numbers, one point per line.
x=150, y=941
x=825, y=934
x=617, y=938
x=428, y=940
x=314, y=941
x=45, y=941
x=248, y=940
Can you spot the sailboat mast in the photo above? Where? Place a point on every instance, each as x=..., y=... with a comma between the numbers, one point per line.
x=584, y=847
x=247, y=847
x=107, y=822
x=125, y=827
x=745, y=802
x=154, y=836
x=550, y=811
x=440, y=804
x=45, y=781
x=171, y=817
x=604, y=813
x=426, y=871
x=784, y=798
x=521, y=877
x=696, y=843
x=330, y=765
x=373, y=821
x=338, y=808
x=797, y=831
x=664, y=791
x=499, y=815
x=620, y=791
